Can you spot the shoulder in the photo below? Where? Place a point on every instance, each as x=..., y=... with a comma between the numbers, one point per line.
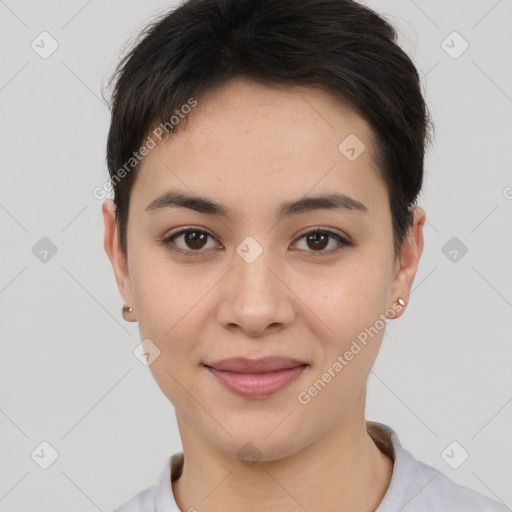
x=160, y=496
x=416, y=486
x=440, y=493
x=447, y=496
x=144, y=501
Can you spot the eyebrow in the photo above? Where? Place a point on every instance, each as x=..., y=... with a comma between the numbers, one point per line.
x=337, y=201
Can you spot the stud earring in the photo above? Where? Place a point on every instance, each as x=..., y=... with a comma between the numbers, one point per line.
x=125, y=311
x=398, y=301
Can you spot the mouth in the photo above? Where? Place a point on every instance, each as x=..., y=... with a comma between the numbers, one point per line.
x=256, y=378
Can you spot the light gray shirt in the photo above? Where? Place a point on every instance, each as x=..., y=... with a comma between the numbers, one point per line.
x=414, y=486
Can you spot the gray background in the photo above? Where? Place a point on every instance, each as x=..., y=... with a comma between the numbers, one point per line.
x=67, y=372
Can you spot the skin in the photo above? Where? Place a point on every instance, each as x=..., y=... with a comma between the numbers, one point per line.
x=251, y=147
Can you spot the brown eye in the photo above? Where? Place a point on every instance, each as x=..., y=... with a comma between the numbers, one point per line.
x=192, y=242
x=318, y=240
x=195, y=239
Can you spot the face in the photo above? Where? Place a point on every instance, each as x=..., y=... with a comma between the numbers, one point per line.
x=257, y=281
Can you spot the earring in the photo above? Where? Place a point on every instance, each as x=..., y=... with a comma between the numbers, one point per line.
x=398, y=301
x=125, y=311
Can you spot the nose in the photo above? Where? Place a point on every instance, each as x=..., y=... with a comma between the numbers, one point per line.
x=255, y=298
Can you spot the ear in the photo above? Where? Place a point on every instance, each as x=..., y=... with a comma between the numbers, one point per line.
x=407, y=264
x=117, y=258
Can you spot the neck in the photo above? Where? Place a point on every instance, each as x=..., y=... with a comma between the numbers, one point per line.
x=342, y=470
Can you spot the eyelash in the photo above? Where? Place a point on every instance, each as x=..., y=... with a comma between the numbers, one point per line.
x=168, y=241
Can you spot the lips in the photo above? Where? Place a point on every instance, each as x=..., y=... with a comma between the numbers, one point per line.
x=263, y=365
x=256, y=378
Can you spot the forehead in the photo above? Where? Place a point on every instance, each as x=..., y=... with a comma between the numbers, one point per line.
x=265, y=141
x=244, y=107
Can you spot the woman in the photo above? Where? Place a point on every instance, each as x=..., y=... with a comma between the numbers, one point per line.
x=266, y=157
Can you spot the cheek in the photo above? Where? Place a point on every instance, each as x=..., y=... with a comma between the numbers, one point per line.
x=172, y=315
x=163, y=293
x=348, y=300
x=345, y=315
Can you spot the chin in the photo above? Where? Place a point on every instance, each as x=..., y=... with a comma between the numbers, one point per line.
x=258, y=442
